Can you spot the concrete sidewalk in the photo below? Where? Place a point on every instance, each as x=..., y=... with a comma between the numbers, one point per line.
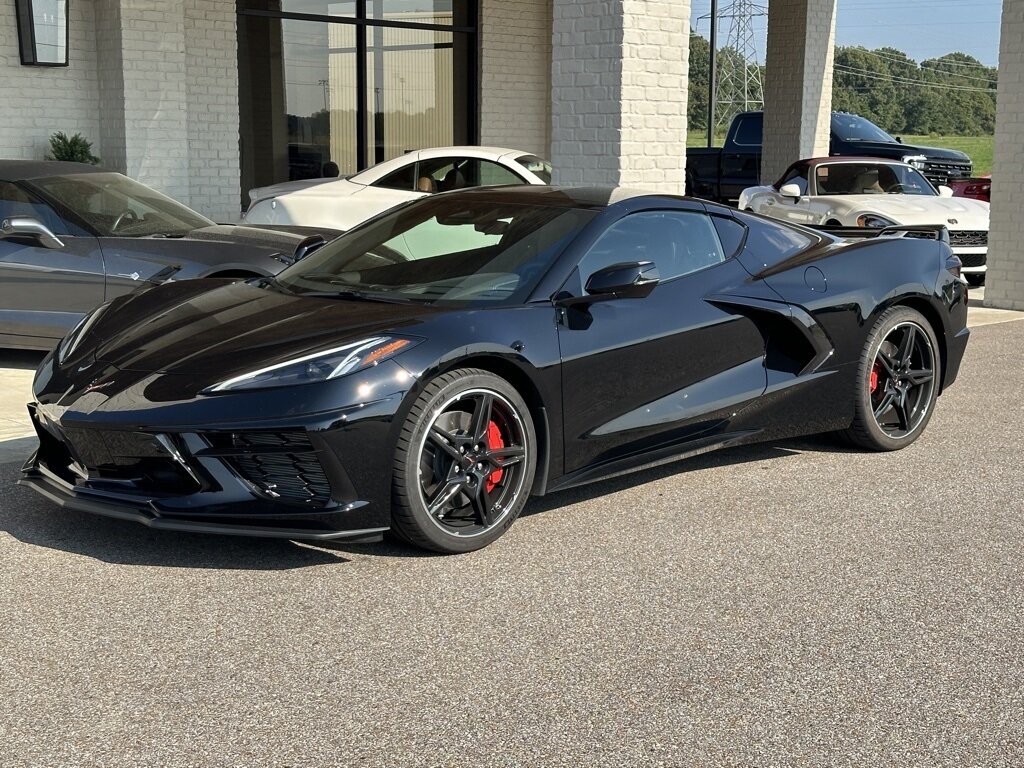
x=16, y=371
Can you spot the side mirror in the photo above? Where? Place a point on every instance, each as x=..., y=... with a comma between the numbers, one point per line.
x=791, y=191
x=624, y=281
x=27, y=228
x=899, y=139
x=945, y=191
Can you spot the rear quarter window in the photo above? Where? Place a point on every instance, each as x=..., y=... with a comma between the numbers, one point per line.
x=769, y=243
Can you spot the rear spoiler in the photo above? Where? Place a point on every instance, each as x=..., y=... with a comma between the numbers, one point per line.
x=919, y=232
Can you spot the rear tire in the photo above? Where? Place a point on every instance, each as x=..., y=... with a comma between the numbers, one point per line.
x=897, y=382
x=464, y=463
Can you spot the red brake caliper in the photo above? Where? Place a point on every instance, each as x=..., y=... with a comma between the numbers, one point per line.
x=494, y=442
x=875, y=371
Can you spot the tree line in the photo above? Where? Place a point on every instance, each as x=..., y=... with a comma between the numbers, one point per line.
x=951, y=95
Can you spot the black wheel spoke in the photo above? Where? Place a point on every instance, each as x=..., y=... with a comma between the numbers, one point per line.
x=481, y=418
x=923, y=376
x=906, y=349
x=445, y=494
x=444, y=441
x=885, y=405
x=500, y=458
x=888, y=363
x=481, y=501
x=900, y=405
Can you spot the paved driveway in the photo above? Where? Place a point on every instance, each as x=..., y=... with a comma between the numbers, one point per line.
x=796, y=604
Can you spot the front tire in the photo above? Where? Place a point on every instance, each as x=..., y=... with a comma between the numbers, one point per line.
x=464, y=463
x=897, y=382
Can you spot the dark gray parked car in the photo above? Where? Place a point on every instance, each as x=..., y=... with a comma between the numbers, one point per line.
x=73, y=236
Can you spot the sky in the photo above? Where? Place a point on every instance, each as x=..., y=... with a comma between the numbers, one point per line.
x=923, y=28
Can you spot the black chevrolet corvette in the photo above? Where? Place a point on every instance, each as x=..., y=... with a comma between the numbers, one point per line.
x=433, y=368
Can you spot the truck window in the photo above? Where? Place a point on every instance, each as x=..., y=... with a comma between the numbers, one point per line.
x=748, y=130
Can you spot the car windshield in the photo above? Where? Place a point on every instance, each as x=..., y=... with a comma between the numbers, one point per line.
x=116, y=206
x=538, y=167
x=856, y=128
x=871, y=179
x=443, y=250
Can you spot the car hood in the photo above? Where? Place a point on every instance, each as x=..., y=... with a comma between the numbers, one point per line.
x=919, y=209
x=271, y=240
x=885, y=149
x=221, y=329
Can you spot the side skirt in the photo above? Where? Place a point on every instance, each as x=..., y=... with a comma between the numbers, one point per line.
x=648, y=459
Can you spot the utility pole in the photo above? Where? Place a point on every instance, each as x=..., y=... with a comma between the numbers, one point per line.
x=713, y=74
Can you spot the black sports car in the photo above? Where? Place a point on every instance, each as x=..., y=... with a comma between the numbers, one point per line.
x=430, y=370
x=73, y=236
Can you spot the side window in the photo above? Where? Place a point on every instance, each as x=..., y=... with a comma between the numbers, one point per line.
x=484, y=173
x=678, y=242
x=438, y=174
x=749, y=131
x=731, y=233
x=774, y=242
x=15, y=201
x=403, y=179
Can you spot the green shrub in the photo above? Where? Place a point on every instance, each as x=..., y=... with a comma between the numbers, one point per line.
x=72, y=148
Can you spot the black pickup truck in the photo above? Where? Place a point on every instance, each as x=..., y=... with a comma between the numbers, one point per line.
x=721, y=174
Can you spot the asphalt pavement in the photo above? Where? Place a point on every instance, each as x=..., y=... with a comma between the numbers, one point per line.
x=797, y=604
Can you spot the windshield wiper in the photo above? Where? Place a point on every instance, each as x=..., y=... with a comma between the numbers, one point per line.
x=168, y=235
x=351, y=294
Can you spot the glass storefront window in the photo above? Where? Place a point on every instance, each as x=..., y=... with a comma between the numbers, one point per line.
x=326, y=91
x=423, y=11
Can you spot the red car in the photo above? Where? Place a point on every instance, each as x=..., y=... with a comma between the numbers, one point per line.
x=979, y=188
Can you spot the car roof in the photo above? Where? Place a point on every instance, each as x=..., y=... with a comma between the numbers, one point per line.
x=21, y=170
x=381, y=169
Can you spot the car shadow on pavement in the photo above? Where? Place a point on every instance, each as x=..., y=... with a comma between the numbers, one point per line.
x=34, y=521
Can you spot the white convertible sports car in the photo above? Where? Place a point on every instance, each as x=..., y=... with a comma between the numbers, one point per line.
x=867, y=192
x=346, y=202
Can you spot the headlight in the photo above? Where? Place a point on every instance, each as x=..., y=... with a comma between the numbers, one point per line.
x=874, y=220
x=319, y=366
x=70, y=342
x=918, y=161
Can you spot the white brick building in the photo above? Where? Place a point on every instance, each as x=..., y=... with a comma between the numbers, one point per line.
x=204, y=99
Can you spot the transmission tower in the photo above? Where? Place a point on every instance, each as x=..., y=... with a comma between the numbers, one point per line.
x=739, y=86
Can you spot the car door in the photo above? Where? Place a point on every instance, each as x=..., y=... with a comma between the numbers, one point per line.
x=639, y=374
x=44, y=291
x=794, y=210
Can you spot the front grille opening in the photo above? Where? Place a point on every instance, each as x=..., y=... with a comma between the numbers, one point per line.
x=968, y=237
x=972, y=260
x=281, y=465
x=123, y=461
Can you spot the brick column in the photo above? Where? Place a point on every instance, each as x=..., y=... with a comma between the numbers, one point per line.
x=798, y=82
x=515, y=74
x=1005, y=278
x=619, y=91
x=168, y=86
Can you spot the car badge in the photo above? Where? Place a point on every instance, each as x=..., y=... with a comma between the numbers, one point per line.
x=95, y=386
x=952, y=221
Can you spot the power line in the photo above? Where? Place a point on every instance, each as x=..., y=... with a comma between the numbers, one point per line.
x=906, y=81
x=925, y=67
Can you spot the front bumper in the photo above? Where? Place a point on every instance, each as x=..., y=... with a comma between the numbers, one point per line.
x=315, y=478
x=64, y=494
x=973, y=259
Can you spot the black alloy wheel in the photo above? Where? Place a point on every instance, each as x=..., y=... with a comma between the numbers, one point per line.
x=898, y=381
x=465, y=462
